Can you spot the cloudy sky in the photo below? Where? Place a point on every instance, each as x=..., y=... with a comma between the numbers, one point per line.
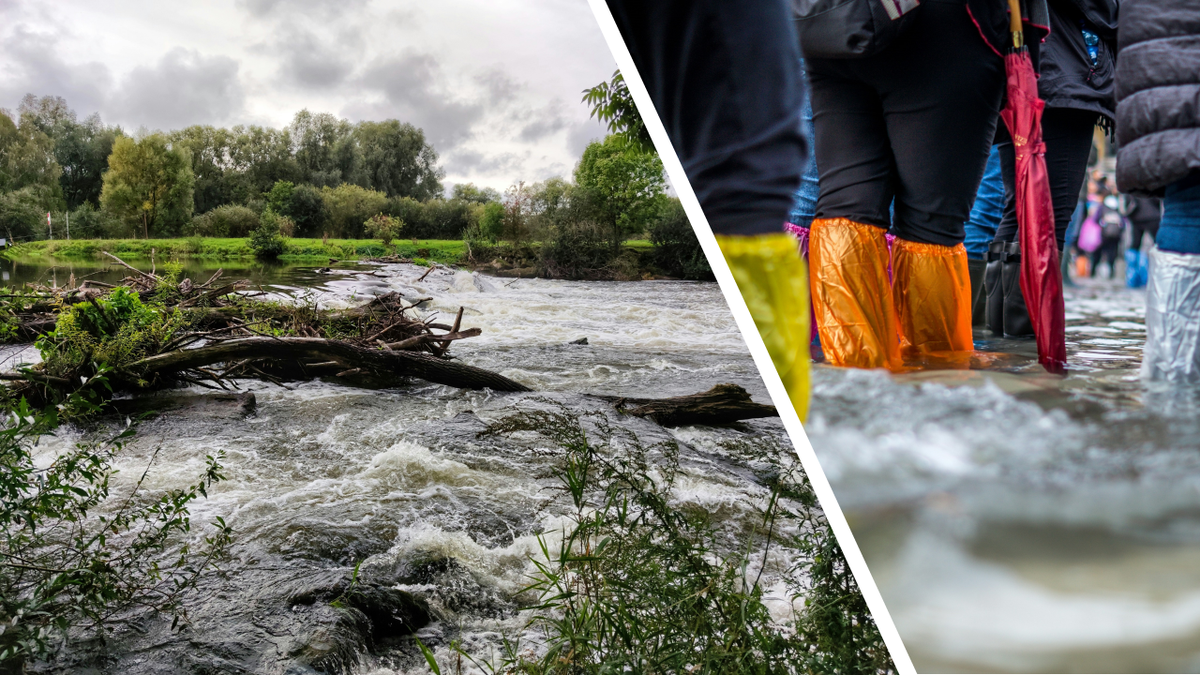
x=495, y=84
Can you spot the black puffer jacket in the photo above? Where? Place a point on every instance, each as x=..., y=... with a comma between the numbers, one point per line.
x=1068, y=78
x=1158, y=94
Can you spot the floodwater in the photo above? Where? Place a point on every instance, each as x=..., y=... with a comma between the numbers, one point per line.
x=323, y=477
x=1017, y=521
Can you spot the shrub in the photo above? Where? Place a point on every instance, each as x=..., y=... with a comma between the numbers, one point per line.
x=491, y=221
x=230, y=220
x=384, y=228
x=638, y=584
x=267, y=240
x=676, y=249
x=349, y=206
x=114, y=330
x=73, y=554
x=577, y=251
x=88, y=222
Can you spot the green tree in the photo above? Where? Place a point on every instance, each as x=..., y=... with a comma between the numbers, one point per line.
x=81, y=149
x=324, y=149
x=626, y=183
x=349, y=206
x=612, y=104
x=149, y=182
x=491, y=221
x=217, y=180
x=397, y=160
x=262, y=156
x=307, y=209
x=469, y=192
x=26, y=156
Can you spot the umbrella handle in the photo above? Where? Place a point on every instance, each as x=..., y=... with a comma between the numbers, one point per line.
x=1014, y=23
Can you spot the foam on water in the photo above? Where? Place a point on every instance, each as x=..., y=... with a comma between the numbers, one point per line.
x=1015, y=522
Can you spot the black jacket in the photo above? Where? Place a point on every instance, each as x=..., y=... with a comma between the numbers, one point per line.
x=1068, y=78
x=1158, y=94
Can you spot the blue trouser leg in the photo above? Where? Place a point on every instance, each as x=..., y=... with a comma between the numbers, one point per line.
x=987, y=210
x=1180, y=228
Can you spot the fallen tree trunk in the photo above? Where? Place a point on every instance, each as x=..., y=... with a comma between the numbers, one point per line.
x=420, y=365
x=723, y=404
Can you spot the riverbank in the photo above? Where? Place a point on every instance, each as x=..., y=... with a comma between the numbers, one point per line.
x=521, y=261
x=444, y=251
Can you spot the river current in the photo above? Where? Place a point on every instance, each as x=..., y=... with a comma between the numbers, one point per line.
x=1016, y=521
x=323, y=477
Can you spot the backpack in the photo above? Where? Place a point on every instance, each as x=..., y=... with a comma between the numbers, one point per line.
x=847, y=29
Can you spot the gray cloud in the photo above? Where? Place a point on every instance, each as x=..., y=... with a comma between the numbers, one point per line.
x=183, y=88
x=310, y=62
x=266, y=8
x=584, y=133
x=413, y=90
x=32, y=65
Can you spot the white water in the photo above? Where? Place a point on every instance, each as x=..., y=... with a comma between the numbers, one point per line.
x=325, y=476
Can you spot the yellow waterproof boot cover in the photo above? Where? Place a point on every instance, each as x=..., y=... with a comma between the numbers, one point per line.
x=773, y=280
x=932, y=292
x=851, y=294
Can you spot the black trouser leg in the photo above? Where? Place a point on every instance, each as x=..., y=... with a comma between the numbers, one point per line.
x=914, y=123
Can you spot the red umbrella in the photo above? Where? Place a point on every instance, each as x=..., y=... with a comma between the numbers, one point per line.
x=1041, y=276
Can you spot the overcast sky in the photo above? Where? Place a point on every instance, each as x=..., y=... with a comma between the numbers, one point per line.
x=495, y=84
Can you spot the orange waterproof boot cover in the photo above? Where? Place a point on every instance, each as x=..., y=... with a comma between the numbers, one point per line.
x=932, y=291
x=851, y=295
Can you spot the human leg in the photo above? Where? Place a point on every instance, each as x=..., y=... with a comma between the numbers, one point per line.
x=848, y=254
x=1172, y=352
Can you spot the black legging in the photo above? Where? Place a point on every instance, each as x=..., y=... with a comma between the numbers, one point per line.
x=914, y=123
x=1068, y=136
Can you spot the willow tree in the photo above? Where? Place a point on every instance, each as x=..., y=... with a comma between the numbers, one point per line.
x=149, y=182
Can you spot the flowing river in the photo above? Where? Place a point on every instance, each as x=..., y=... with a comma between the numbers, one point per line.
x=322, y=477
x=1017, y=521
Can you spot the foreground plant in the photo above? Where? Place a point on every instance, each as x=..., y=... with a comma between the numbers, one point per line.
x=638, y=584
x=74, y=555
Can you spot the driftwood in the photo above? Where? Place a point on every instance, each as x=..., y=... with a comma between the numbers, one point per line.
x=723, y=404
x=322, y=352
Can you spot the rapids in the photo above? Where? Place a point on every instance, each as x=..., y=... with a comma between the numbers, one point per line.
x=323, y=477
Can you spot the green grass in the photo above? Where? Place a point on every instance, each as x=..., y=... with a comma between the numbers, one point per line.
x=444, y=251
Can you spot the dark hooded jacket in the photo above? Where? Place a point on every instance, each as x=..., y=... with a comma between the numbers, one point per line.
x=1068, y=78
x=1158, y=94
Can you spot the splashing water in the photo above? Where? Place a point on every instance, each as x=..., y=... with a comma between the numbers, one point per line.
x=1020, y=522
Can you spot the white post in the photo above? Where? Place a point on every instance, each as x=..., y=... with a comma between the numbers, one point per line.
x=50, y=224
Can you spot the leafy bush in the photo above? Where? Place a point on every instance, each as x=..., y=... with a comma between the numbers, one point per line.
x=88, y=222
x=577, y=251
x=637, y=584
x=491, y=221
x=230, y=220
x=384, y=228
x=676, y=249
x=349, y=206
x=267, y=240
x=73, y=554
x=114, y=330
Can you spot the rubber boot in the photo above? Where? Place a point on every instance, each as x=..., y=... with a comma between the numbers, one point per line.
x=773, y=281
x=1016, y=314
x=932, y=292
x=976, y=269
x=994, y=292
x=851, y=294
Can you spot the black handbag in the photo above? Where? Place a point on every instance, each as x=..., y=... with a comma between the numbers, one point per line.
x=848, y=29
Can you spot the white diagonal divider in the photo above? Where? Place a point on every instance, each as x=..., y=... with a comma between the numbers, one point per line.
x=758, y=349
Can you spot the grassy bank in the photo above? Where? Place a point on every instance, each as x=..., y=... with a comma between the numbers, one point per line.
x=444, y=251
